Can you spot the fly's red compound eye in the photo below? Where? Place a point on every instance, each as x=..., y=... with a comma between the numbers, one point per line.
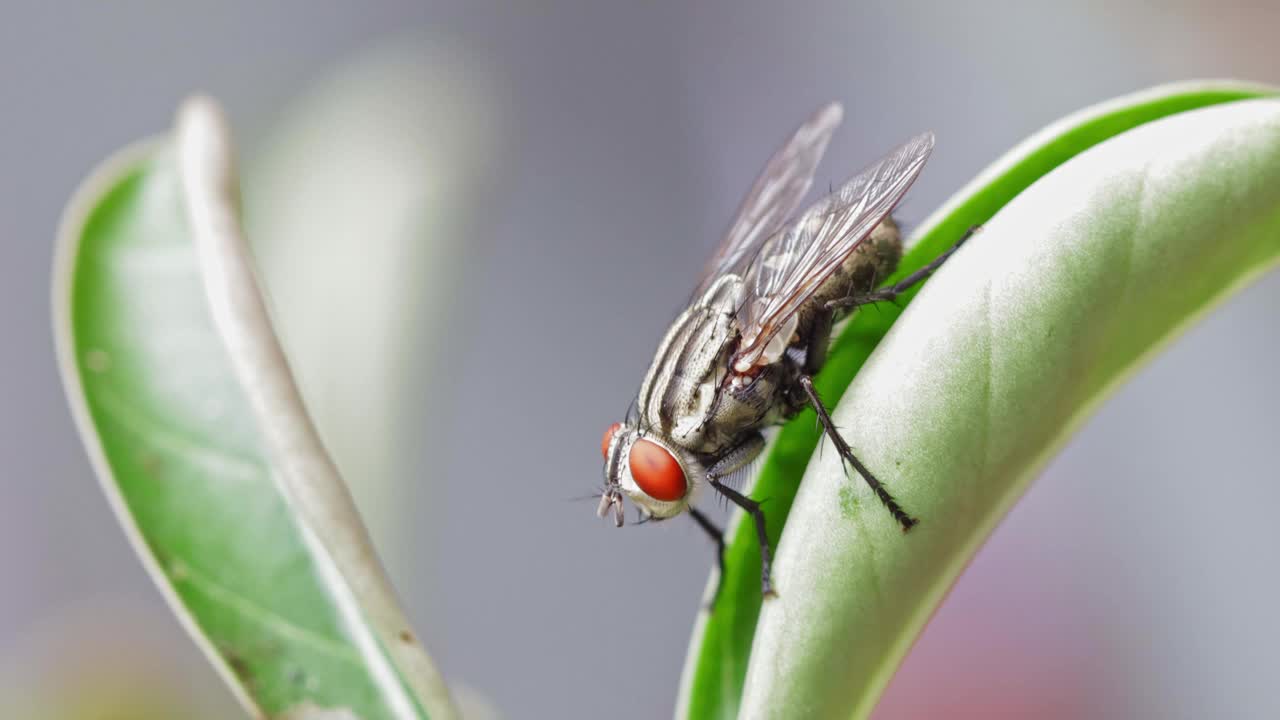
x=657, y=472
x=608, y=438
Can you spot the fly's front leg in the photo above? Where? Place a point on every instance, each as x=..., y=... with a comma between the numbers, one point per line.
x=846, y=455
x=752, y=508
x=736, y=459
x=893, y=291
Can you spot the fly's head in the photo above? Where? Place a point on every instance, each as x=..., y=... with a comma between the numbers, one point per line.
x=654, y=473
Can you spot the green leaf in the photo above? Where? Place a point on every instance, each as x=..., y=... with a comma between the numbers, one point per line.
x=195, y=428
x=881, y=588
x=1071, y=287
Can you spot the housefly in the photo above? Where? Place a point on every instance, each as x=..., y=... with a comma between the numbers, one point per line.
x=742, y=356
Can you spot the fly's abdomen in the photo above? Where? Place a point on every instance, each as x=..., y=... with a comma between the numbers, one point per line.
x=867, y=267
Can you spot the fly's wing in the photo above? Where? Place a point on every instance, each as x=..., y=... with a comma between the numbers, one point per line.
x=796, y=261
x=774, y=197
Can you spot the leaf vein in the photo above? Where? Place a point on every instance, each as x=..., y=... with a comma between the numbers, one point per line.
x=165, y=438
x=269, y=619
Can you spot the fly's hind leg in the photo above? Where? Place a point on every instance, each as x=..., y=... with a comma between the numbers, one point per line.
x=893, y=291
x=847, y=456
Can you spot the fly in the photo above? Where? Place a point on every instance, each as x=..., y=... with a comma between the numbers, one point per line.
x=742, y=356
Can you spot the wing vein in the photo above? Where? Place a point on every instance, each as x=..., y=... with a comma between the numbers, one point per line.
x=798, y=259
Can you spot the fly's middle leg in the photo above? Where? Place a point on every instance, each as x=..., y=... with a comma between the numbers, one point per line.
x=892, y=292
x=737, y=458
x=819, y=341
x=847, y=456
x=717, y=536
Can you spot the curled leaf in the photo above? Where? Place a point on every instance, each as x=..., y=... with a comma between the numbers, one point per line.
x=197, y=433
x=720, y=650
x=990, y=370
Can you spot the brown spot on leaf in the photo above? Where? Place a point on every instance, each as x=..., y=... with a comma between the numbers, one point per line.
x=239, y=666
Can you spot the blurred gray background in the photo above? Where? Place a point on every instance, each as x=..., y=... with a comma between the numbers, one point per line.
x=614, y=141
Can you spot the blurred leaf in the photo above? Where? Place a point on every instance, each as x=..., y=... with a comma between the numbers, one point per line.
x=193, y=425
x=70, y=665
x=361, y=206
x=862, y=647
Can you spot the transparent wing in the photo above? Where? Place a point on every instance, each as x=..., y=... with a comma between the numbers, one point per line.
x=796, y=261
x=774, y=197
